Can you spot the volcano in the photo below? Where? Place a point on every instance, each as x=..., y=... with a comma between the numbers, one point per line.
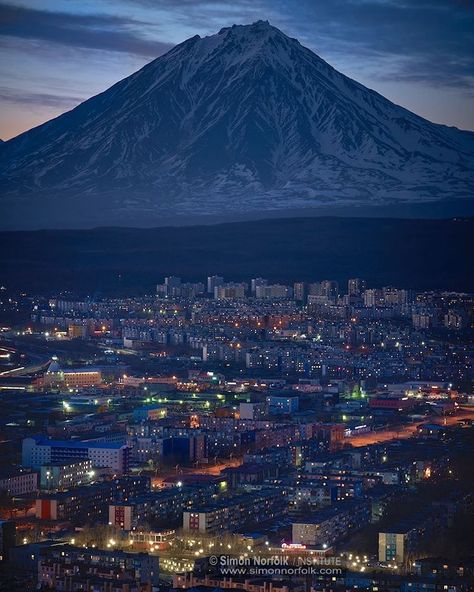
x=243, y=122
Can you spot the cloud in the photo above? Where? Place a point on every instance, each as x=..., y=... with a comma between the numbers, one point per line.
x=31, y=98
x=90, y=31
x=178, y=19
x=429, y=41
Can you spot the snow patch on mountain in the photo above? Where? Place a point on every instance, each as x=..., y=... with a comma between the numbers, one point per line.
x=244, y=120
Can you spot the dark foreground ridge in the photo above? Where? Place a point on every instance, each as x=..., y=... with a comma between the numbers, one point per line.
x=419, y=254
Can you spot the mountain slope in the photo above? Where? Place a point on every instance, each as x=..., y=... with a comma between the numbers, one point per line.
x=247, y=120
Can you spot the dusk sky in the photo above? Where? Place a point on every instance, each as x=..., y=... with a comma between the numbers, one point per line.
x=57, y=53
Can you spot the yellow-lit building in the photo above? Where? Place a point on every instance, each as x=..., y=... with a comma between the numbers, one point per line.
x=56, y=377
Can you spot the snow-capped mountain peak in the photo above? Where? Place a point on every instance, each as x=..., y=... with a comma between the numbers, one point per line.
x=247, y=120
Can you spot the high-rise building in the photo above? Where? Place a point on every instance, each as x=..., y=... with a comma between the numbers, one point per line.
x=330, y=289
x=173, y=286
x=172, y=281
x=327, y=291
x=422, y=320
x=272, y=291
x=454, y=319
x=170, y=287
x=355, y=286
x=213, y=281
x=299, y=291
x=256, y=283
x=314, y=289
x=394, y=296
x=229, y=291
x=373, y=298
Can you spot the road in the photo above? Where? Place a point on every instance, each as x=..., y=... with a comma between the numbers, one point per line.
x=211, y=469
x=407, y=431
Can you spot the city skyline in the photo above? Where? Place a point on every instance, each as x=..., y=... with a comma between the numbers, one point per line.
x=236, y=312
x=157, y=440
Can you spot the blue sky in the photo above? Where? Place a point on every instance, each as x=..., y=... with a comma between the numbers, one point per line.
x=56, y=53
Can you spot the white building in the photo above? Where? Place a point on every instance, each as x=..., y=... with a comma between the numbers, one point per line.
x=18, y=482
x=39, y=451
x=253, y=410
x=64, y=476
